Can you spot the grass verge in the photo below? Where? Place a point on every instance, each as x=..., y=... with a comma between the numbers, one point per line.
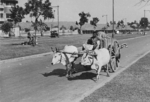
x=12, y=48
x=132, y=85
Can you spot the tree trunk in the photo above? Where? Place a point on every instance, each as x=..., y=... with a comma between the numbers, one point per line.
x=9, y=34
x=80, y=31
x=35, y=38
x=36, y=21
x=19, y=29
x=95, y=28
x=144, y=31
x=41, y=33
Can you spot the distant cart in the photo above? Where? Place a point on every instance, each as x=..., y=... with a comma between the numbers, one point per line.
x=54, y=34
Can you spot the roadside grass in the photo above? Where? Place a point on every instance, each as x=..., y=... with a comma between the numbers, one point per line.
x=12, y=48
x=132, y=85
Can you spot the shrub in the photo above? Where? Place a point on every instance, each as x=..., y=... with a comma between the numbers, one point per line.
x=6, y=28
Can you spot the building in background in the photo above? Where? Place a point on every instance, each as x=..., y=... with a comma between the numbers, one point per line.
x=5, y=6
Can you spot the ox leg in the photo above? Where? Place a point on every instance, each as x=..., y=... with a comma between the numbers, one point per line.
x=111, y=65
x=70, y=73
x=68, y=69
x=67, y=73
x=114, y=64
x=107, y=70
x=117, y=62
x=74, y=69
x=98, y=72
x=71, y=69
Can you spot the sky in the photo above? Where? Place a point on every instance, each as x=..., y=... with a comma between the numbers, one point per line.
x=69, y=9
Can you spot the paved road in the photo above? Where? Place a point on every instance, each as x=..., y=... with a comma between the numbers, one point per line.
x=35, y=80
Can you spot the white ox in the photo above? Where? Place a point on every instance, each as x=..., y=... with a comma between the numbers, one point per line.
x=97, y=60
x=67, y=57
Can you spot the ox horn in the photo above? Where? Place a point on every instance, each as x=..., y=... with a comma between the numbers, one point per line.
x=52, y=49
x=57, y=50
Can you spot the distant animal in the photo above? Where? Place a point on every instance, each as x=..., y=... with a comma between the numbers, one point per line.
x=96, y=59
x=67, y=57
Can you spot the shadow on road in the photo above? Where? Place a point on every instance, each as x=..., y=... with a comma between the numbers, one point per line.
x=84, y=76
x=56, y=72
x=79, y=75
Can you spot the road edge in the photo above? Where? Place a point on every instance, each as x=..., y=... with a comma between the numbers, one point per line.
x=112, y=77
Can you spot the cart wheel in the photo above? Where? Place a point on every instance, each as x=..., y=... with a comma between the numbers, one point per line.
x=113, y=65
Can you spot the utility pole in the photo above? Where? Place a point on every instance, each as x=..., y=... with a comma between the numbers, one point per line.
x=58, y=18
x=52, y=20
x=124, y=20
x=113, y=18
x=106, y=21
x=57, y=15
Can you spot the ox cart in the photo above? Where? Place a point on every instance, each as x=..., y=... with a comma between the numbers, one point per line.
x=109, y=49
x=107, y=43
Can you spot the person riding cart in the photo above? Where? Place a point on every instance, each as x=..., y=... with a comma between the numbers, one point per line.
x=94, y=44
x=98, y=40
x=94, y=40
